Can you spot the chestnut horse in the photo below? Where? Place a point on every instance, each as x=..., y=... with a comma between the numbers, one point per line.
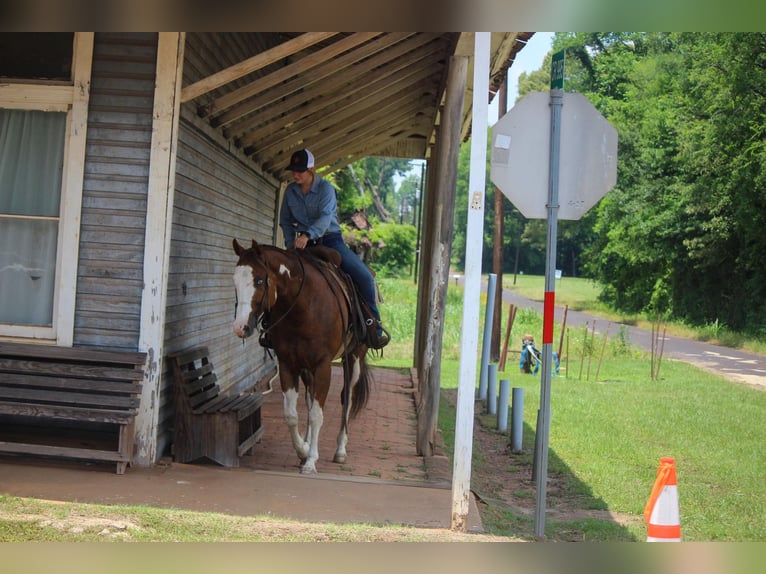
x=302, y=308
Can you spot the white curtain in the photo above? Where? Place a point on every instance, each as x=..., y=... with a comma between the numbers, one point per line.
x=31, y=159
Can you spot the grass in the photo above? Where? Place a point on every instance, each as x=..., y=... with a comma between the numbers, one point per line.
x=27, y=519
x=609, y=432
x=607, y=436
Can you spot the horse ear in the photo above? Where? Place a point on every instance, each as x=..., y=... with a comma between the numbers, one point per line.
x=237, y=247
x=254, y=245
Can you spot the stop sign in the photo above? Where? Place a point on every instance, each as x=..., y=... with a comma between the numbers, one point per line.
x=521, y=150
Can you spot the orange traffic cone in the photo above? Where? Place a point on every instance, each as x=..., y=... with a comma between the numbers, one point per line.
x=663, y=521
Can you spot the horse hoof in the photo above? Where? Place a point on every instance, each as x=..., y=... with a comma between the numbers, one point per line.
x=306, y=469
x=339, y=458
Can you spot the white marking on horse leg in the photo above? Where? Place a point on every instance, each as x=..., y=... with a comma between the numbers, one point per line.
x=283, y=270
x=340, y=451
x=245, y=288
x=290, y=409
x=316, y=418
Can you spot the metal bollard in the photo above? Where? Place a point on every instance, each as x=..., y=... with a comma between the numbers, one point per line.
x=517, y=420
x=489, y=311
x=492, y=389
x=502, y=405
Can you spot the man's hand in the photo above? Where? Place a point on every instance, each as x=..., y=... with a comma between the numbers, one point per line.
x=301, y=241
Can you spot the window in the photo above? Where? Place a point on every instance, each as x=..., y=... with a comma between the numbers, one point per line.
x=32, y=144
x=42, y=140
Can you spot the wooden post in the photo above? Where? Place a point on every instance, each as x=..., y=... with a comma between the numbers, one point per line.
x=603, y=348
x=159, y=220
x=437, y=266
x=662, y=349
x=511, y=318
x=582, y=357
x=590, y=351
x=563, y=328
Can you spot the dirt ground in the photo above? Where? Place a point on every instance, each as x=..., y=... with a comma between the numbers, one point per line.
x=502, y=480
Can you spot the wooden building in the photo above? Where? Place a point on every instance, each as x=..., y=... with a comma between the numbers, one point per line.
x=143, y=154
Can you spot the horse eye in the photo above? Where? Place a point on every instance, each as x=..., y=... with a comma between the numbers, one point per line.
x=259, y=281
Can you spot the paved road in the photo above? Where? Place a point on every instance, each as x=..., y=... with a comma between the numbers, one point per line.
x=733, y=364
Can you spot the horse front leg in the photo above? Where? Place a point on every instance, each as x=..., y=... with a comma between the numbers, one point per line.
x=317, y=387
x=290, y=410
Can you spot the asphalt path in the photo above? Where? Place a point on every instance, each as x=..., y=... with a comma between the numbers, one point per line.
x=735, y=365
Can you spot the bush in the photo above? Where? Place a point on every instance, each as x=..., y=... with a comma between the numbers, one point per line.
x=396, y=255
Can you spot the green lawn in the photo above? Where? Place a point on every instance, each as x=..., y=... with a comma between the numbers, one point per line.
x=609, y=432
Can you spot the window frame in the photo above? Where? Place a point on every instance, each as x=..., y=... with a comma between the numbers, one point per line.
x=71, y=97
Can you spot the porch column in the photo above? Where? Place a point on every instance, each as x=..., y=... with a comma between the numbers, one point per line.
x=159, y=219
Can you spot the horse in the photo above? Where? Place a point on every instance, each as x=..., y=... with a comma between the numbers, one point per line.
x=303, y=308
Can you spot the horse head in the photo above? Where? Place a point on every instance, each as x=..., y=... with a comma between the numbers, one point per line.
x=255, y=291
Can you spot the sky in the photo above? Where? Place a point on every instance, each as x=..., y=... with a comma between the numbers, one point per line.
x=529, y=59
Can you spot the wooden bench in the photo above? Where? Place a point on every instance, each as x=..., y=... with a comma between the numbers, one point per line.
x=207, y=422
x=69, y=402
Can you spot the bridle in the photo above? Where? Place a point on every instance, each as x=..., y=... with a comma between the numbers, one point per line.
x=264, y=326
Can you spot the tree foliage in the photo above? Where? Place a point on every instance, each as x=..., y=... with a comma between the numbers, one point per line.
x=682, y=232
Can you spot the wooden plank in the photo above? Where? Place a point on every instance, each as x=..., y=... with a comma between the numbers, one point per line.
x=249, y=442
x=64, y=451
x=281, y=75
x=200, y=399
x=71, y=353
x=47, y=98
x=96, y=386
x=189, y=356
x=213, y=406
x=33, y=396
x=292, y=95
x=67, y=413
x=74, y=370
x=72, y=179
x=252, y=64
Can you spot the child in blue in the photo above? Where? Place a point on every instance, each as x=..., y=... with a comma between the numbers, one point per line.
x=531, y=357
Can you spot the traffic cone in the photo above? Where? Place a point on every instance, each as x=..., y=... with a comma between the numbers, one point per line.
x=663, y=521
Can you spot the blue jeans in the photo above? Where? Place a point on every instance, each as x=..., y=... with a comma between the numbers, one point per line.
x=352, y=264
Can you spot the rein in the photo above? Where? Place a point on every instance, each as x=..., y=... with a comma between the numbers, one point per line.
x=264, y=330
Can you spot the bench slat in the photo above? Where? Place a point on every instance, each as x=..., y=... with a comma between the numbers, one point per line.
x=218, y=404
x=66, y=451
x=68, y=413
x=194, y=386
x=29, y=380
x=70, y=369
x=34, y=396
x=130, y=358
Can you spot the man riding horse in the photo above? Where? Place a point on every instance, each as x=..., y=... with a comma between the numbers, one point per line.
x=308, y=216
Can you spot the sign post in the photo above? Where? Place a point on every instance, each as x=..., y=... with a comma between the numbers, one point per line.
x=564, y=136
x=544, y=421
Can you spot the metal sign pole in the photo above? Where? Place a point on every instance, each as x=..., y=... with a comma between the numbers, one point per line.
x=544, y=424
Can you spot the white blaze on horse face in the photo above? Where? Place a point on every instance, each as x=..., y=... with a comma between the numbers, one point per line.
x=243, y=283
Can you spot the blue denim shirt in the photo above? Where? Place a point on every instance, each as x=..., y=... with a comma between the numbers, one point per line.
x=314, y=213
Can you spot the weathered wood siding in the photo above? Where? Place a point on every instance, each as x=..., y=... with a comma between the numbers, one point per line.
x=219, y=195
x=109, y=281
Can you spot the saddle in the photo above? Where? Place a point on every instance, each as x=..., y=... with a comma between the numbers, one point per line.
x=363, y=324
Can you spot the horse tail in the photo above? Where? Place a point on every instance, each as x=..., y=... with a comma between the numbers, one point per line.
x=362, y=387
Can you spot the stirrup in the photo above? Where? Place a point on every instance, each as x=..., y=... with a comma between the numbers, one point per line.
x=377, y=336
